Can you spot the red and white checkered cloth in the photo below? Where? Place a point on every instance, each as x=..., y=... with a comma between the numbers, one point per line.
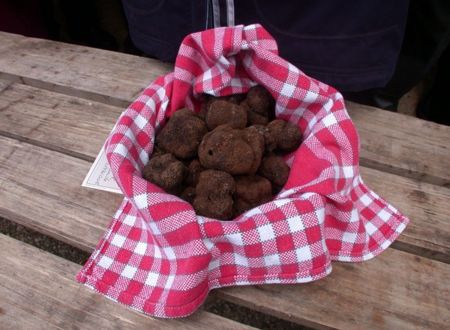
x=162, y=259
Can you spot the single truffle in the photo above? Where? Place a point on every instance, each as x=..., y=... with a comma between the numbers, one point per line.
x=274, y=169
x=214, y=195
x=215, y=183
x=286, y=135
x=166, y=172
x=222, y=112
x=260, y=105
x=251, y=191
x=230, y=150
x=219, y=208
x=260, y=100
x=182, y=134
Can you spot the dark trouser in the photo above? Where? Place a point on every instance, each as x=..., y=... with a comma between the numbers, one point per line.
x=352, y=45
x=425, y=49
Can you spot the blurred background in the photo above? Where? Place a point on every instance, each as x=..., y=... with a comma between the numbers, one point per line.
x=417, y=84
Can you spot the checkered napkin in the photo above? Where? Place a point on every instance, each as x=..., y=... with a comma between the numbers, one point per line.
x=162, y=259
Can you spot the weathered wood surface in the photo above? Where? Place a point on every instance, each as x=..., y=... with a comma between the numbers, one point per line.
x=38, y=291
x=41, y=189
x=78, y=127
x=103, y=76
x=390, y=142
x=394, y=291
x=403, y=145
x=395, y=288
x=58, y=206
x=66, y=124
x=40, y=181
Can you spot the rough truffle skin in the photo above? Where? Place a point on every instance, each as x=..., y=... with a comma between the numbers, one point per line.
x=188, y=194
x=260, y=100
x=214, y=193
x=260, y=106
x=243, y=140
x=220, y=208
x=269, y=140
x=230, y=150
x=251, y=191
x=286, y=135
x=254, y=118
x=222, y=112
x=182, y=134
x=166, y=172
x=256, y=141
x=233, y=98
x=215, y=183
x=194, y=170
x=274, y=169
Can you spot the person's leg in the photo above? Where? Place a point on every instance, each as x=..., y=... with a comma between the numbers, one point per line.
x=436, y=103
x=426, y=38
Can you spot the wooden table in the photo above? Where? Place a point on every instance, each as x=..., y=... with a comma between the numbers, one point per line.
x=58, y=103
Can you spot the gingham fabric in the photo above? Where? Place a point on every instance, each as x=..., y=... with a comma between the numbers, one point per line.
x=159, y=258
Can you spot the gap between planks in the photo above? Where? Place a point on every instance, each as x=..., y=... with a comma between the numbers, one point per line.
x=389, y=262
x=395, y=290
x=77, y=128
x=39, y=291
x=390, y=142
x=56, y=194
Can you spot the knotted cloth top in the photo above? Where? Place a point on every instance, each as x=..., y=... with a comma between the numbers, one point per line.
x=160, y=258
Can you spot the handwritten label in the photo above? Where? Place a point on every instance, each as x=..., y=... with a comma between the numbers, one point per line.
x=100, y=176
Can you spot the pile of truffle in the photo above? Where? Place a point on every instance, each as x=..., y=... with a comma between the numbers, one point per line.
x=226, y=159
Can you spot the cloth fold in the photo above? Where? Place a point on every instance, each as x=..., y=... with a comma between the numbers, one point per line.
x=162, y=259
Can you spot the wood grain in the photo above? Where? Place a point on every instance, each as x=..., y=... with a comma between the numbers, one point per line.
x=66, y=124
x=40, y=180
x=78, y=127
x=403, y=145
x=103, y=76
x=41, y=189
x=390, y=142
x=393, y=291
x=396, y=289
x=39, y=292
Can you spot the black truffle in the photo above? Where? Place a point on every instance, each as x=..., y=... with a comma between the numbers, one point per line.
x=166, y=172
x=214, y=193
x=182, y=134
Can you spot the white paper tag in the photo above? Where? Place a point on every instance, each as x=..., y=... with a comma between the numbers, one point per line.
x=100, y=176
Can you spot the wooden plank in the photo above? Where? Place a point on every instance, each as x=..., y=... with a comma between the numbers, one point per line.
x=428, y=207
x=393, y=291
x=9, y=39
x=56, y=194
x=66, y=124
x=402, y=144
x=78, y=127
x=38, y=291
x=41, y=189
x=103, y=76
x=406, y=146
x=397, y=289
